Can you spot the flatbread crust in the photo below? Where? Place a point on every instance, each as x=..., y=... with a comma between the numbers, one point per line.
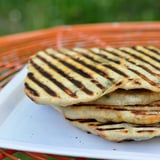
x=70, y=76
x=117, y=132
x=139, y=114
x=55, y=78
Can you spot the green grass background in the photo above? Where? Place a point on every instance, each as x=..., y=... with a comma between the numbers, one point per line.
x=25, y=15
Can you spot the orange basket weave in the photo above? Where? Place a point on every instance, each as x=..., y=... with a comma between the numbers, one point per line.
x=16, y=49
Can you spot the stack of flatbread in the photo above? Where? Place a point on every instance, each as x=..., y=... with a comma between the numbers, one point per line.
x=110, y=92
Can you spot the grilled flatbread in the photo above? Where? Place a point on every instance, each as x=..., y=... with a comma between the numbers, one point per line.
x=139, y=64
x=61, y=78
x=128, y=97
x=139, y=114
x=65, y=77
x=117, y=132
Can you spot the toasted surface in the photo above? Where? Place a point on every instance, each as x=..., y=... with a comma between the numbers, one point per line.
x=138, y=114
x=61, y=78
x=139, y=64
x=117, y=132
x=65, y=77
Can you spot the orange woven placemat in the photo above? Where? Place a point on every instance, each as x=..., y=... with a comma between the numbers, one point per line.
x=16, y=49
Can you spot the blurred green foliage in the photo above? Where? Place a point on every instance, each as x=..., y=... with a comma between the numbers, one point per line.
x=24, y=15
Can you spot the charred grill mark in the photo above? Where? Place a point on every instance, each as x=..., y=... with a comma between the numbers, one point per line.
x=87, y=120
x=133, y=62
x=31, y=90
x=124, y=130
x=137, y=110
x=144, y=53
x=93, y=122
x=111, y=129
x=91, y=58
x=153, y=50
x=106, y=57
x=98, y=71
x=53, y=80
x=82, y=87
x=147, y=69
x=79, y=71
x=114, y=53
x=81, y=120
x=72, y=67
x=116, y=70
x=87, y=56
x=144, y=131
x=111, y=67
x=97, y=84
x=144, y=77
x=109, y=123
x=137, y=82
x=71, y=79
x=139, y=58
x=119, y=83
x=41, y=85
x=148, y=112
x=93, y=68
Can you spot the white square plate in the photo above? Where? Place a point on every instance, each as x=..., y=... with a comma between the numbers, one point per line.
x=27, y=126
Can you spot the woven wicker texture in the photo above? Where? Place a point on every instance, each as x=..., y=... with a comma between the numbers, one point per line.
x=16, y=49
